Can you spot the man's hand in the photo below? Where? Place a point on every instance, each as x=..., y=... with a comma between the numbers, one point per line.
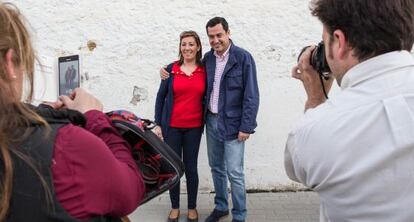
x=243, y=136
x=164, y=74
x=81, y=101
x=311, y=80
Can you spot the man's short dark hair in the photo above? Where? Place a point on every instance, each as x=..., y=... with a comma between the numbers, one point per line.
x=371, y=27
x=217, y=20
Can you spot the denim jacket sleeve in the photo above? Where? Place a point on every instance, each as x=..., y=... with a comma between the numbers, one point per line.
x=251, y=96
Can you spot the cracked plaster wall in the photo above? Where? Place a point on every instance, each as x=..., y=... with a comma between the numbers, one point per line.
x=132, y=39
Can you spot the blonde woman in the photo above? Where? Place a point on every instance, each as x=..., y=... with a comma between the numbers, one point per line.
x=179, y=113
x=55, y=164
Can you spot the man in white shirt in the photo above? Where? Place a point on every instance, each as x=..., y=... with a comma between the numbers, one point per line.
x=356, y=150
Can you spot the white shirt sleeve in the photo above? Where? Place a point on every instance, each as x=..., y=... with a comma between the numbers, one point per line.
x=292, y=164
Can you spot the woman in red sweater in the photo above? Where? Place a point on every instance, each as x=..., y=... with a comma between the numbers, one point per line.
x=179, y=114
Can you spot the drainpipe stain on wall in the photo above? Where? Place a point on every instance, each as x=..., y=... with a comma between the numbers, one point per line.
x=138, y=94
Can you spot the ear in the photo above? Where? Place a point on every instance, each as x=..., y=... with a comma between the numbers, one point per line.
x=9, y=64
x=343, y=47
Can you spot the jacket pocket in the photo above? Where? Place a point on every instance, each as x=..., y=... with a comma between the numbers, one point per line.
x=233, y=120
x=234, y=80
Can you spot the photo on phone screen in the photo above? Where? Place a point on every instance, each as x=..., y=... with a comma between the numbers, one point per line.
x=68, y=74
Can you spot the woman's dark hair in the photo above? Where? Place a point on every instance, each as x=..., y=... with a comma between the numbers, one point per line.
x=217, y=20
x=371, y=27
x=199, y=54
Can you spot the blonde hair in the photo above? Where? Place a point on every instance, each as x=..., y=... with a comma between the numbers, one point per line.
x=13, y=113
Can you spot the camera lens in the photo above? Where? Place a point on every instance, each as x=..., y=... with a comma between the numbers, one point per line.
x=302, y=51
x=318, y=59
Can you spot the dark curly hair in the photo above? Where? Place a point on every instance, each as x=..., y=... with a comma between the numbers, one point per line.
x=371, y=27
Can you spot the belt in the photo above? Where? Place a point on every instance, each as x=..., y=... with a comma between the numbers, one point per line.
x=211, y=113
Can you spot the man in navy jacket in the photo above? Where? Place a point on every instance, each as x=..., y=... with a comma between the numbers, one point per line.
x=232, y=102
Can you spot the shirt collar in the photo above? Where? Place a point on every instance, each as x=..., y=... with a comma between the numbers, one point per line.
x=176, y=69
x=226, y=53
x=376, y=66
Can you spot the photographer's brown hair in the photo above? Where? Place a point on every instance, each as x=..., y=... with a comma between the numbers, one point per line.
x=371, y=27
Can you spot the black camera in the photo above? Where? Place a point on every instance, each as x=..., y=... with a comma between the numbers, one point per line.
x=318, y=60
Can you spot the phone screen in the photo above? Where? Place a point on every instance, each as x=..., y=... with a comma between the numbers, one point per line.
x=68, y=74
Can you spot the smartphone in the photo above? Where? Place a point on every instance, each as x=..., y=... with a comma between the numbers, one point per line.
x=69, y=77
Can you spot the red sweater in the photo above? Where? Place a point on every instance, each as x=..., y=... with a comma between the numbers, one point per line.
x=93, y=170
x=187, y=109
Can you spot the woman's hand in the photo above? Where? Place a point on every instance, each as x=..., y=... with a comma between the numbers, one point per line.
x=157, y=130
x=55, y=105
x=81, y=101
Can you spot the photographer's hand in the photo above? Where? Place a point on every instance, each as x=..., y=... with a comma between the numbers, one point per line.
x=311, y=80
x=81, y=101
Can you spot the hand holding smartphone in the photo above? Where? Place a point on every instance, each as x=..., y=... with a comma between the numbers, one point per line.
x=69, y=75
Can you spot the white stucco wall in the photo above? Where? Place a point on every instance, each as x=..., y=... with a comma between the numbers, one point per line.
x=135, y=38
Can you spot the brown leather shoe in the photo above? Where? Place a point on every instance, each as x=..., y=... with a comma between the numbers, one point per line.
x=175, y=219
x=194, y=219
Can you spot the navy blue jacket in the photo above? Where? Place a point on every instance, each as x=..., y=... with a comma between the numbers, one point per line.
x=239, y=92
x=164, y=102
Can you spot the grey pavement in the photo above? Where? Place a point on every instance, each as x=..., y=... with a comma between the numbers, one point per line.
x=283, y=207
